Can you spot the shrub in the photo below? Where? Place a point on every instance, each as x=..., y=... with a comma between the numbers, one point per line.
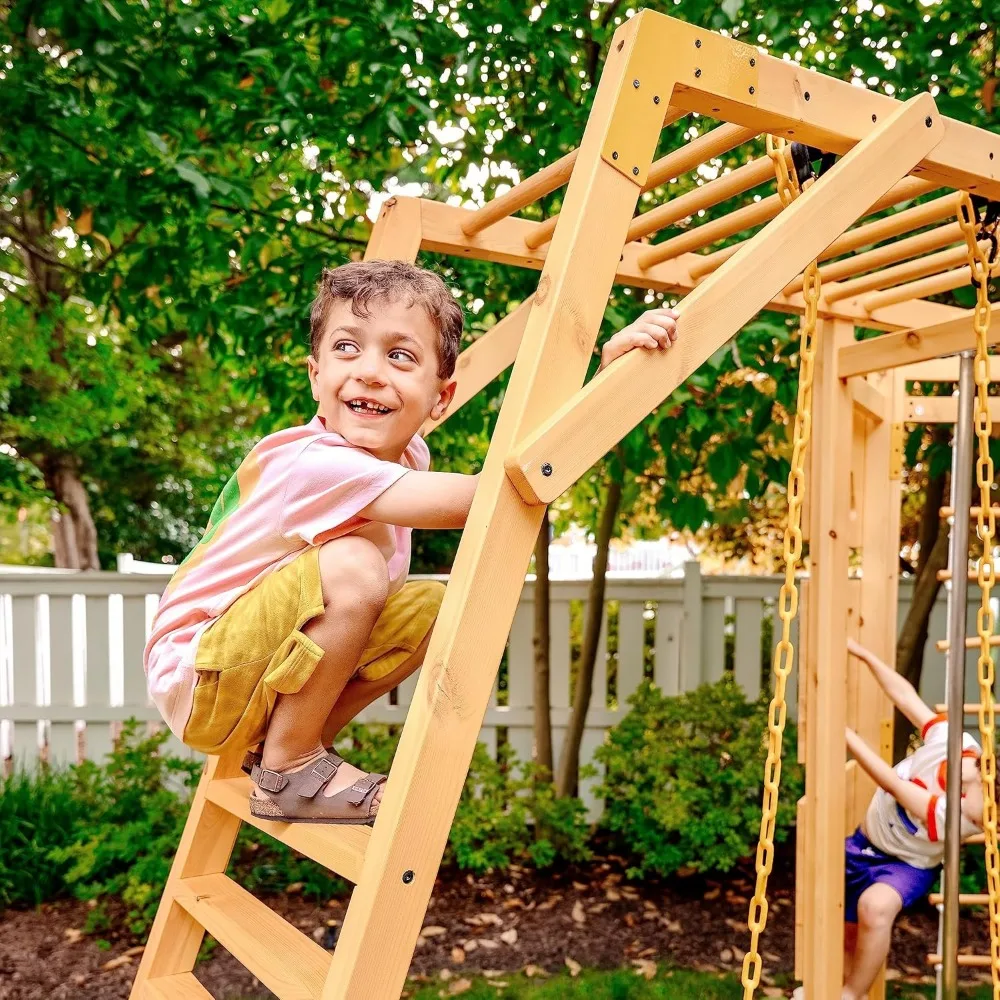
x=684, y=777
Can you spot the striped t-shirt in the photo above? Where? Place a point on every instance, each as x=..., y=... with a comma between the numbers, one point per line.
x=297, y=488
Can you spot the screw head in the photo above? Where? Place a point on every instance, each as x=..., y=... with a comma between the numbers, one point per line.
x=635, y=171
x=697, y=72
x=806, y=95
x=874, y=118
x=697, y=43
x=753, y=62
x=614, y=155
x=656, y=99
x=546, y=469
x=635, y=83
x=407, y=877
x=752, y=90
x=928, y=121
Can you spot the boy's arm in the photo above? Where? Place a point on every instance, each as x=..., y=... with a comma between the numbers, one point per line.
x=914, y=799
x=425, y=500
x=897, y=687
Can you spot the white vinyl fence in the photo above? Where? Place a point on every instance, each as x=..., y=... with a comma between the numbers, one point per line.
x=71, y=655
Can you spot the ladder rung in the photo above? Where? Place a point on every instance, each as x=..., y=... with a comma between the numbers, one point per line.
x=971, y=642
x=976, y=838
x=973, y=511
x=976, y=961
x=964, y=898
x=339, y=848
x=944, y=575
x=286, y=961
x=183, y=986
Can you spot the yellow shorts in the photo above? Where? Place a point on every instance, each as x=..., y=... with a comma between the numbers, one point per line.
x=256, y=650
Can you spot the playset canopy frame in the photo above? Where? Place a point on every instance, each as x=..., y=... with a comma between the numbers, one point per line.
x=552, y=428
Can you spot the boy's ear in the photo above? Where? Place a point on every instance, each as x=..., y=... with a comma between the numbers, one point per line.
x=441, y=404
x=313, y=375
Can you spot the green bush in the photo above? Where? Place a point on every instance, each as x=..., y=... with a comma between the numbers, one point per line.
x=684, y=777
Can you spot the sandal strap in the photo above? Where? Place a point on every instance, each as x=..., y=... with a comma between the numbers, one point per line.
x=269, y=781
x=250, y=760
x=322, y=771
x=362, y=788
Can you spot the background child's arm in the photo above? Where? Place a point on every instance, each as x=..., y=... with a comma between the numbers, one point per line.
x=897, y=687
x=914, y=799
x=425, y=500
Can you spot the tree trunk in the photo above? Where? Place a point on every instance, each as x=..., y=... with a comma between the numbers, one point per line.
x=934, y=537
x=78, y=546
x=569, y=759
x=543, y=714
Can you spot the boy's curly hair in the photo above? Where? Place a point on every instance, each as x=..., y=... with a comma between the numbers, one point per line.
x=363, y=282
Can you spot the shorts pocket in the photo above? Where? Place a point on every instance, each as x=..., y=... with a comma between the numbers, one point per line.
x=293, y=663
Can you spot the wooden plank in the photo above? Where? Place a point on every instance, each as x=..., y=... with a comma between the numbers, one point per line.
x=204, y=849
x=907, y=347
x=559, y=667
x=631, y=648
x=339, y=848
x=180, y=987
x=520, y=679
x=286, y=961
x=713, y=639
x=133, y=644
x=452, y=693
x=666, y=660
x=24, y=638
x=97, y=739
x=692, y=651
x=746, y=655
x=867, y=398
x=397, y=232
x=826, y=663
x=61, y=735
x=939, y=409
x=943, y=370
x=618, y=398
x=494, y=352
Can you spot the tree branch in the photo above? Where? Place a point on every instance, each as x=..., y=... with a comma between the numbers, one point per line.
x=39, y=255
x=330, y=234
x=127, y=241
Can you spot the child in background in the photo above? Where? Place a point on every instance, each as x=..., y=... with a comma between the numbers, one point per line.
x=293, y=612
x=894, y=857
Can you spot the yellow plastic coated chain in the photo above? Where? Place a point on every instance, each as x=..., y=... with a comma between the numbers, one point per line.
x=784, y=653
x=980, y=265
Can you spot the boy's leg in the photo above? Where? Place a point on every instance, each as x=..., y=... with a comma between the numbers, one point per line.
x=850, y=945
x=355, y=583
x=878, y=908
x=359, y=693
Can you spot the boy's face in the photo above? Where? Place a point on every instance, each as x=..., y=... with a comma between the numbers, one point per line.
x=376, y=377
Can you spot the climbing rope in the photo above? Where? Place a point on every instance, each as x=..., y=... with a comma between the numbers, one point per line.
x=980, y=265
x=788, y=599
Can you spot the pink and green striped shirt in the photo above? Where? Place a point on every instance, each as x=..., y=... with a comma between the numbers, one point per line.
x=297, y=488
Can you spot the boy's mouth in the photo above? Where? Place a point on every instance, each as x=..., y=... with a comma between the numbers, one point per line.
x=368, y=407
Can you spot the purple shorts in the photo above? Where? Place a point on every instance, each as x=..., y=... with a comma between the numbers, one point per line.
x=865, y=865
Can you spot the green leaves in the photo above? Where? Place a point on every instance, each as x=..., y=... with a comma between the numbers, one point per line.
x=194, y=177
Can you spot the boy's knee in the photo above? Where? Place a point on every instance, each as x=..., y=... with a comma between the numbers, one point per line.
x=878, y=908
x=353, y=569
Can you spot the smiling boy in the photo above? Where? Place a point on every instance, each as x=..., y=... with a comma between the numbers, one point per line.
x=293, y=611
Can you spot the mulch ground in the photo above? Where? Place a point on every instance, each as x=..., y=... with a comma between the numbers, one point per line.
x=588, y=914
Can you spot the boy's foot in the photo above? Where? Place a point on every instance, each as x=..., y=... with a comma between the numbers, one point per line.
x=323, y=790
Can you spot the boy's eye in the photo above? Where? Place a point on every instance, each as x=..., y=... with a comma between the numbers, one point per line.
x=346, y=347
x=398, y=354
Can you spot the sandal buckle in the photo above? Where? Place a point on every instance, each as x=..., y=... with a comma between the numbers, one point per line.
x=269, y=781
x=358, y=792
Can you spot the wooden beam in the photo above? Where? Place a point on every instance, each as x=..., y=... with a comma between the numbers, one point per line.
x=943, y=370
x=618, y=398
x=921, y=267
x=480, y=363
x=940, y=409
x=906, y=347
x=868, y=398
x=935, y=285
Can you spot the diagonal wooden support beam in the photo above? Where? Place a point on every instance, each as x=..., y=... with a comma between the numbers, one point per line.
x=906, y=347
x=549, y=460
x=867, y=398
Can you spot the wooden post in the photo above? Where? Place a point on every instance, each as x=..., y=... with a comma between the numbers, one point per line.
x=691, y=666
x=826, y=663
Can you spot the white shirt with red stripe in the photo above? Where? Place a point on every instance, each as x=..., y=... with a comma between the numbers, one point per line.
x=919, y=840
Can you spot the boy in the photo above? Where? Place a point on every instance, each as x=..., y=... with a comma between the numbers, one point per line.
x=292, y=613
x=893, y=858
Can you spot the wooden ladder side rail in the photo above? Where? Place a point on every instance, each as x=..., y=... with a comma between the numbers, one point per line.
x=543, y=464
x=907, y=347
x=388, y=906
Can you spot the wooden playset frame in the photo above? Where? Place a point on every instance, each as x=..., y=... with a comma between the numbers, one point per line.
x=552, y=428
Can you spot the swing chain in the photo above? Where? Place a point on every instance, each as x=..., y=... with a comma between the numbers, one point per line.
x=788, y=601
x=979, y=264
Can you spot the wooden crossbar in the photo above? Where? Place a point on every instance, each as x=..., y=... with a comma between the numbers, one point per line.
x=935, y=285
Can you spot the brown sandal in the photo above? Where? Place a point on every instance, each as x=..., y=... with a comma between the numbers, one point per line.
x=293, y=797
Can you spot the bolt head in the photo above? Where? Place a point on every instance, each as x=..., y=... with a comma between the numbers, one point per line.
x=635, y=171
x=697, y=72
x=635, y=83
x=546, y=469
x=697, y=43
x=752, y=90
x=656, y=100
x=614, y=155
x=928, y=121
x=407, y=877
x=753, y=62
